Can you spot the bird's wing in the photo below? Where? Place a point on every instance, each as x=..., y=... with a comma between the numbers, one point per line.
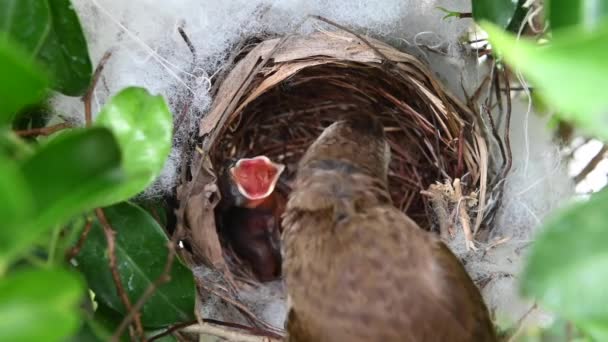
x=375, y=276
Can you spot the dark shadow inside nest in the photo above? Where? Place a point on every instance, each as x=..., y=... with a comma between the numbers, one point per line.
x=283, y=121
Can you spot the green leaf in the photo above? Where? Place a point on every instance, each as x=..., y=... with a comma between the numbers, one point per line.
x=141, y=252
x=65, y=50
x=507, y=14
x=14, y=147
x=90, y=331
x=50, y=31
x=26, y=21
x=23, y=83
x=39, y=305
x=158, y=210
x=571, y=73
x=100, y=327
x=15, y=198
x=66, y=176
x=567, y=269
x=143, y=126
x=587, y=13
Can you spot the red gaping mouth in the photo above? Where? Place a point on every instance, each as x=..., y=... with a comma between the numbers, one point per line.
x=256, y=177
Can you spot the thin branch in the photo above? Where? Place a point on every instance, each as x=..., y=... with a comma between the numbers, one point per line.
x=188, y=42
x=599, y=156
x=73, y=252
x=494, y=130
x=88, y=114
x=507, y=141
x=162, y=279
x=109, y=233
x=465, y=220
x=190, y=99
x=43, y=130
x=171, y=330
x=180, y=326
x=227, y=333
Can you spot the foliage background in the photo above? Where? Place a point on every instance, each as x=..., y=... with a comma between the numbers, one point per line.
x=71, y=182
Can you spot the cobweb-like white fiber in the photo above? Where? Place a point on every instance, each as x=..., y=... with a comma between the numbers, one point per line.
x=148, y=50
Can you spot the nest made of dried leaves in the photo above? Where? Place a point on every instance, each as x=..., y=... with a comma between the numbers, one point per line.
x=278, y=98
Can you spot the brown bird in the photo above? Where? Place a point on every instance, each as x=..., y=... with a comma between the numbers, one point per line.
x=356, y=268
x=250, y=214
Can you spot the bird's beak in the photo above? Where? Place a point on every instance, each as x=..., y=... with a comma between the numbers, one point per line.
x=256, y=177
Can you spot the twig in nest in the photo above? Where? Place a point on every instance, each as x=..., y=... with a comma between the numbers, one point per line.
x=465, y=220
x=360, y=37
x=507, y=138
x=43, y=130
x=190, y=99
x=73, y=252
x=109, y=233
x=495, y=86
x=483, y=182
x=497, y=243
x=440, y=195
x=88, y=115
x=255, y=332
x=240, y=307
x=227, y=333
x=188, y=42
x=599, y=156
x=170, y=330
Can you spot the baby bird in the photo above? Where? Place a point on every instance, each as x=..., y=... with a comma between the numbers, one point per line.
x=250, y=216
x=358, y=269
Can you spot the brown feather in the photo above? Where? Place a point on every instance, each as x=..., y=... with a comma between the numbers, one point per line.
x=356, y=268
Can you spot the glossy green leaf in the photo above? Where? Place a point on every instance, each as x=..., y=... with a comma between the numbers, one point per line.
x=507, y=14
x=571, y=73
x=65, y=50
x=158, y=210
x=587, y=13
x=23, y=82
x=39, y=305
x=143, y=126
x=66, y=176
x=567, y=269
x=50, y=31
x=26, y=21
x=141, y=251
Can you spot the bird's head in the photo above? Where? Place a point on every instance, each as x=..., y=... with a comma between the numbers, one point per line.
x=255, y=178
x=358, y=139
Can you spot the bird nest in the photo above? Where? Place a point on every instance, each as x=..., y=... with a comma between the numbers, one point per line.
x=280, y=95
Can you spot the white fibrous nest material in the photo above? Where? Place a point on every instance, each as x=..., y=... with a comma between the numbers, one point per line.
x=148, y=51
x=537, y=184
